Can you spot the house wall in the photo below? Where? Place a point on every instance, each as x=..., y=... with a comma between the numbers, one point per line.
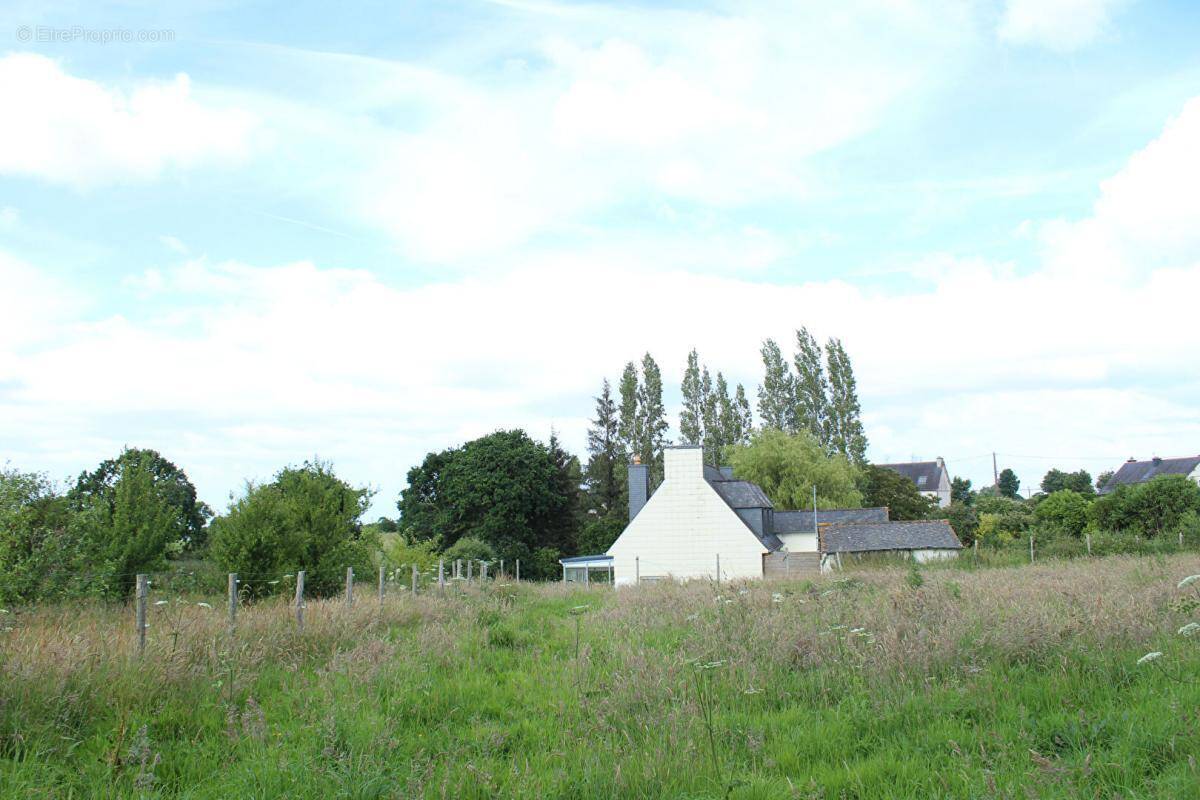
x=799, y=542
x=683, y=527
x=1195, y=474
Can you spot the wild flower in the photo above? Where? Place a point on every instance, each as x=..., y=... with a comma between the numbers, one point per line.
x=743, y=591
x=203, y=605
x=776, y=597
x=1188, y=581
x=161, y=602
x=1146, y=659
x=1190, y=629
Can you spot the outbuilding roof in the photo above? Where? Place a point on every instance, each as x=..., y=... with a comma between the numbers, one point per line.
x=1141, y=471
x=802, y=521
x=874, y=536
x=742, y=494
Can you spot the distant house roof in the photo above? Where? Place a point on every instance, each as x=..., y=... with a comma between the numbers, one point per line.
x=1141, y=471
x=874, y=536
x=802, y=521
x=927, y=475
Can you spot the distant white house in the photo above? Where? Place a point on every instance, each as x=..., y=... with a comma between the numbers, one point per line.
x=702, y=519
x=931, y=477
x=1134, y=471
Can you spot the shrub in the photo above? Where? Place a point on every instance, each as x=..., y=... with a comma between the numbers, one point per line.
x=307, y=518
x=470, y=548
x=1064, y=511
x=1150, y=509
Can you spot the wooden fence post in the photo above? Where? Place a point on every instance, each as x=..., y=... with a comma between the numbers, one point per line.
x=349, y=586
x=718, y=569
x=441, y=574
x=1031, y=548
x=1087, y=537
x=142, y=590
x=300, y=599
x=381, y=583
x=518, y=570
x=637, y=569
x=500, y=574
x=414, y=579
x=483, y=565
x=233, y=600
x=458, y=568
x=470, y=567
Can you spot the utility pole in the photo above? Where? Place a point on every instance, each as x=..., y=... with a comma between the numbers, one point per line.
x=995, y=475
x=815, y=531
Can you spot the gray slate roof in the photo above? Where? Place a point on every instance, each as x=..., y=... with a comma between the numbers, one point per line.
x=927, y=475
x=802, y=521
x=742, y=494
x=1141, y=471
x=875, y=536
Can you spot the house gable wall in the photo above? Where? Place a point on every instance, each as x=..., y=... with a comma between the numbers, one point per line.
x=684, y=527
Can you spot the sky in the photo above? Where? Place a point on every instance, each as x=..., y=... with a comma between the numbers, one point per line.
x=247, y=235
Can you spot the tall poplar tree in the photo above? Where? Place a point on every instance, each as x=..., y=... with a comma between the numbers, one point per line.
x=846, y=435
x=714, y=437
x=812, y=389
x=743, y=416
x=691, y=417
x=777, y=394
x=652, y=416
x=628, y=424
x=604, y=475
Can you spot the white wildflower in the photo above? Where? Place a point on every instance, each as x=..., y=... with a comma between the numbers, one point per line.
x=1190, y=629
x=858, y=631
x=751, y=690
x=1146, y=659
x=776, y=597
x=1188, y=581
x=743, y=591
x=161, y=602
x=204, y=605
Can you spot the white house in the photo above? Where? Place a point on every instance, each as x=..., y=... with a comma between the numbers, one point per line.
x=1133, y=471
x=702, y=519
x=931, y=477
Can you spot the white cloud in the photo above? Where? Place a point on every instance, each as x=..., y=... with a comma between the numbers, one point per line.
x=80, y=132
x=661, y=105
x=1060, y=25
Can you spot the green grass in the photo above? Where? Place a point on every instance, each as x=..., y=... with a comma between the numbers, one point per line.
x=1001, y=683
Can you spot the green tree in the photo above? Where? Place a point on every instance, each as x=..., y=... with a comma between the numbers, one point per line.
x=727, y=421
x=599, y=533
x=1009, y=483
x=787, y=466
x=1079, y=482
x=41, y=554
x=653, y=432
x=963, y=518
x=1147, y=509
x=846, y=434
x=129, y=524
x=386, y=525
x=960, y=491
x=604, y=474
x=885, y=487
x=691, y=416
x=1103, y=478
x=777, y=394
x=811, y=388
x=305, y=519
x=503, y=488
x=470, y=548
x=1064, y=511
x=171, y=484
x=629, y=421
x=745, y=418
x=714, y=436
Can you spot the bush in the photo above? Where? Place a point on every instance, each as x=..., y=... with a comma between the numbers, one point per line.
x=308, y=519
x=1064, y=511
x=599, y=534
x=470, y=548
x=1149, y=509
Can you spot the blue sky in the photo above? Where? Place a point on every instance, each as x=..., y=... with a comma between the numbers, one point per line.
x=282, y=231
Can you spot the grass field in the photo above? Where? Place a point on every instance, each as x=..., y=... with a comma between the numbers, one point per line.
x=1001, y=683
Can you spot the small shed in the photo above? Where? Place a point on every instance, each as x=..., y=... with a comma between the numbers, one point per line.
x=920, y=540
